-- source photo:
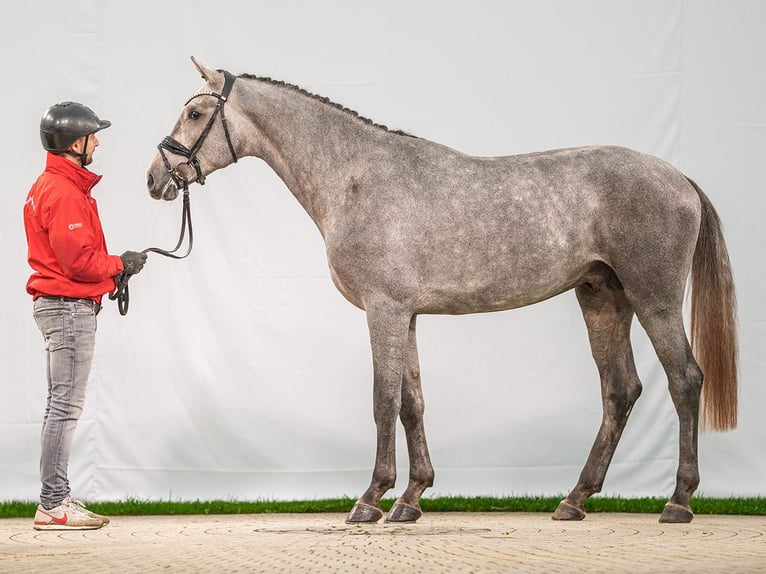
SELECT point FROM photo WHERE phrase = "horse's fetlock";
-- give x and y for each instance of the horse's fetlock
(688, 477)
(384, 480)
(423, 478)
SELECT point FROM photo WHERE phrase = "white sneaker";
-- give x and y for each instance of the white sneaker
(71, 514)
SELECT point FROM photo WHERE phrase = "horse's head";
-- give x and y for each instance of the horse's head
(200, 142)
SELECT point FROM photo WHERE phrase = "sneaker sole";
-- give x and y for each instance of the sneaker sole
(65, 527)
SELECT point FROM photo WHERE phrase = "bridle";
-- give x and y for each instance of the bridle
(174, 146)
(121, 293)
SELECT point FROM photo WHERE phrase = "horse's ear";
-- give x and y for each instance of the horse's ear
(208, 74)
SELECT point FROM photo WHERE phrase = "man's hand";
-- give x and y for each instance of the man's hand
(133, 262)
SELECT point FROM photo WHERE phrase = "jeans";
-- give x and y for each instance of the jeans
(69, 329)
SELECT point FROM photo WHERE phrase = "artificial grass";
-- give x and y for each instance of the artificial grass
(135, 507)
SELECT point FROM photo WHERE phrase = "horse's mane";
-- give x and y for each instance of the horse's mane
(326, 101)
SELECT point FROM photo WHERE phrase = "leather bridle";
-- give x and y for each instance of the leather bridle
(174, 146)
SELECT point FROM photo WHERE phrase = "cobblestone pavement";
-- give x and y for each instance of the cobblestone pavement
(439, 542)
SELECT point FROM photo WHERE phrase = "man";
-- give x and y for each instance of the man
(72, 271)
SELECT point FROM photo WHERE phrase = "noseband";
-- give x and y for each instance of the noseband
(176, 147)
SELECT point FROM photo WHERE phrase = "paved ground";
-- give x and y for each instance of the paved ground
(439, 542)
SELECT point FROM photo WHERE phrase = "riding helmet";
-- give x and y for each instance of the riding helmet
(64, 122)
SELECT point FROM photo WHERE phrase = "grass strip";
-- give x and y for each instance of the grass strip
(136, 507)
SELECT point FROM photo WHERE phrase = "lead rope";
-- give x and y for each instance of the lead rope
(121, 293)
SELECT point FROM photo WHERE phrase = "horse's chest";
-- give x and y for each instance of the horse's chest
(346, 287)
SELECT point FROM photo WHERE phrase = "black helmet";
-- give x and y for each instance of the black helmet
(63, 123)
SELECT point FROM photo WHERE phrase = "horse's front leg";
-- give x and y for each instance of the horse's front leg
(388, 324)
(407, 507)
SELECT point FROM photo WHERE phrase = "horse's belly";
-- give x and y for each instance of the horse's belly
(445, 302)
(481, 293)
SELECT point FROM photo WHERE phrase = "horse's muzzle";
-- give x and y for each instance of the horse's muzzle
(168, 192)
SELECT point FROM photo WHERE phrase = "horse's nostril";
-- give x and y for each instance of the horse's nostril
(170, 193)
(150, 181)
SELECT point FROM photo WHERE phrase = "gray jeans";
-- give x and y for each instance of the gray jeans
(69, 329)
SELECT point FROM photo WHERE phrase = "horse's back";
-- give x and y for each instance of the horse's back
(548, 188)
(563, 209)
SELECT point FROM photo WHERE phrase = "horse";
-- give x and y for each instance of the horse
(413, 227)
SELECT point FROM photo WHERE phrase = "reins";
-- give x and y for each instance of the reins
(122, 294)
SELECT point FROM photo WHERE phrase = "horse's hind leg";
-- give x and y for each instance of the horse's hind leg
(608, 316)
(407, 507)
(666, 331)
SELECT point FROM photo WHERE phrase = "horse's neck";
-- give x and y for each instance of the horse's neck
(313, 147)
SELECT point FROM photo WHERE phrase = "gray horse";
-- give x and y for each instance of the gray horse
(413, 227)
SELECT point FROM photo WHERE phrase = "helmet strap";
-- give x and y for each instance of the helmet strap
(84, 154)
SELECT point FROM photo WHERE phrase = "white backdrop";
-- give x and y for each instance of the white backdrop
(241, 372)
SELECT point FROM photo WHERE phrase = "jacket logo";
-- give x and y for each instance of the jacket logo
(73, 226)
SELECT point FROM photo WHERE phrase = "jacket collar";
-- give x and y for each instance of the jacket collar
(82, 178)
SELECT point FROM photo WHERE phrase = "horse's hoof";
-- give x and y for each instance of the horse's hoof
(364, 513)
(402, 512)
(566, 511)
(676, 514)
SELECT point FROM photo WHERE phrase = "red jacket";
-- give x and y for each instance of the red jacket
(67, 249)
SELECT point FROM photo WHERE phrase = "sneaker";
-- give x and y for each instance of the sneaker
(104, 519)
(71, 514)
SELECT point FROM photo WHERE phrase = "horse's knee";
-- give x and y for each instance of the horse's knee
(411, 412)
(387, 404)
(412, 405)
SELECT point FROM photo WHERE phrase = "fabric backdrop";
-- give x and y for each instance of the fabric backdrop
(241, 372)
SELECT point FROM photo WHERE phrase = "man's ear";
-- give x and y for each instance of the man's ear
(77, 145)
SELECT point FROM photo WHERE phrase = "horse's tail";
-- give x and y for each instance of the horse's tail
(714, 322)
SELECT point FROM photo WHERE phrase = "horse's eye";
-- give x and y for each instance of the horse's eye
(194, 115)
